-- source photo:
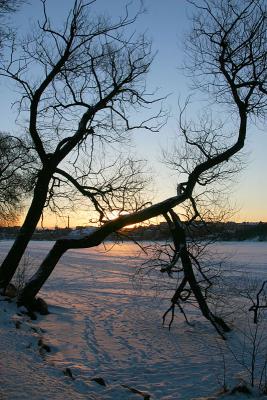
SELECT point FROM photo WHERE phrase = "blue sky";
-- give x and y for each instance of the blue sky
(165, 22)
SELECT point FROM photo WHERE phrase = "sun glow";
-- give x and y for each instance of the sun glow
(116, 214)
(153, 221)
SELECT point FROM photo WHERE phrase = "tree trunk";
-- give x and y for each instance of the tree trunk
(32, 287)
(12, 260)
(179, 239)
(216, 321)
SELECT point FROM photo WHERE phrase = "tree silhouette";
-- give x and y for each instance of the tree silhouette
(88, 78)
(226, 59)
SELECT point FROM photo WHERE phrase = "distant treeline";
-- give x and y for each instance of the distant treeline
(228, 231)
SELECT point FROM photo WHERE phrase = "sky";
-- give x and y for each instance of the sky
(165, 23)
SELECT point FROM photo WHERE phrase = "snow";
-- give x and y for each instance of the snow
(105, 324)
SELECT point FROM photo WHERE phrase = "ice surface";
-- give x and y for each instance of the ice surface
(104, 323)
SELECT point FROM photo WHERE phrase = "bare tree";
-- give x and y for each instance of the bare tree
(16, 174)
(7, 7)
(88, 79)
(13, 152)
(227, 50)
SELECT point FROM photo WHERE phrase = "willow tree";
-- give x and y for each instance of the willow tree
(79, 85)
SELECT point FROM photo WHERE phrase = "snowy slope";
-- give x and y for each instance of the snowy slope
(103, 324)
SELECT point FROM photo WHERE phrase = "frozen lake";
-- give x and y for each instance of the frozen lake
(104, 323)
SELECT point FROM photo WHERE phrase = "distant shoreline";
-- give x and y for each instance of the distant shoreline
(255, 240)
(203, 231)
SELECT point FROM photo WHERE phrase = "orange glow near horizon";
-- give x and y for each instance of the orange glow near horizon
(84, 218)
(115, 214)
(51, 221)
(247, 192)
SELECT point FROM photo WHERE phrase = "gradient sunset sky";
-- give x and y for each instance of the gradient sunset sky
(165, 22)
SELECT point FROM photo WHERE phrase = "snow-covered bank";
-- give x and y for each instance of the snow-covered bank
(105, 325)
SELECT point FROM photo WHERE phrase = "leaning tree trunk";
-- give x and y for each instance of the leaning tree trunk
(33, 286)
(12, 260)
(179, 239)
(95, 238)
(218, 323)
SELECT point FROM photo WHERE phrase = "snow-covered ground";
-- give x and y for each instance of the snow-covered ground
(105, 324)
